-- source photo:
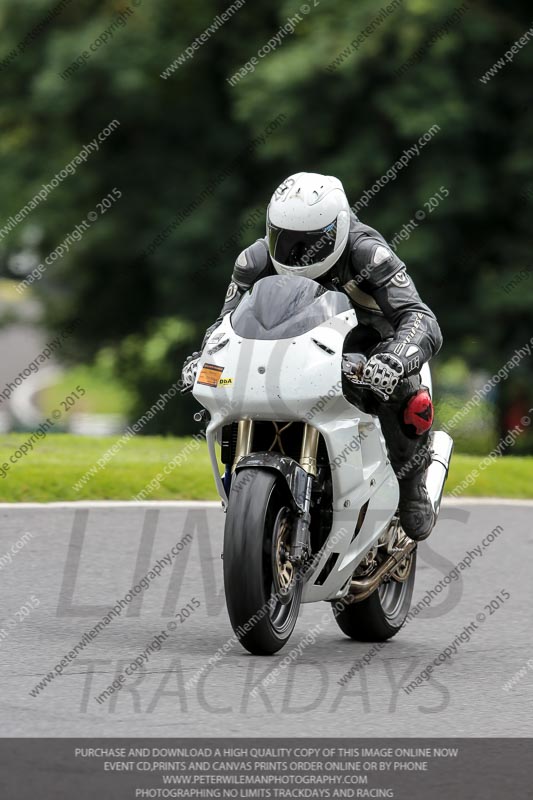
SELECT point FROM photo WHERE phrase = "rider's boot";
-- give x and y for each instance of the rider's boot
(417, 516)
(406, 425)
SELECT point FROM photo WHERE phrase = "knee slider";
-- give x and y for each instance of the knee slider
(418, 412)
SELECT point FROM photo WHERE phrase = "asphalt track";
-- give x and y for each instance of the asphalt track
(81, 558)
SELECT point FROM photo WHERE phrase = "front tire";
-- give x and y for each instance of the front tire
(255, 567)
(382, 614)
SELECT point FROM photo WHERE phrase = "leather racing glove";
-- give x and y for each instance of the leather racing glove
(189, 372)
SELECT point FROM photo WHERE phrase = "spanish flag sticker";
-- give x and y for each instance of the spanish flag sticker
(210, 375)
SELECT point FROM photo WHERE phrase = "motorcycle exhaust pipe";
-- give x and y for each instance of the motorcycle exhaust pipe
(361, 588)
(442, 448)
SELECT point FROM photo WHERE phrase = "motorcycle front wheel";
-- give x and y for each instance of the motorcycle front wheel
(263, 592)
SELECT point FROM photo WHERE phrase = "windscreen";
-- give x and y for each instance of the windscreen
(283, 307)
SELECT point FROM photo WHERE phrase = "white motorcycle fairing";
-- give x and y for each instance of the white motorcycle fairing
(299, 379)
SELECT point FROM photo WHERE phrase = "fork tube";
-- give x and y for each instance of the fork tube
(308, 456)
(244, 440)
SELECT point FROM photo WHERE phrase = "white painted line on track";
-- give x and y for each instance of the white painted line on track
(118, 504)
(452, 501)
(486, 501)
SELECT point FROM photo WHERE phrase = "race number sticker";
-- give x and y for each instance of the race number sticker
(284, 187)
(210, 375)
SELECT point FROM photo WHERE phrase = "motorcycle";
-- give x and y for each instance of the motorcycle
(311, 499)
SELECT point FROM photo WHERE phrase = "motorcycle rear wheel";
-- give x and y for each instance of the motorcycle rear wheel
(382, 614)
(263, 594)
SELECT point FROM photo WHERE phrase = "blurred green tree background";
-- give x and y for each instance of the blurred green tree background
(148, 277)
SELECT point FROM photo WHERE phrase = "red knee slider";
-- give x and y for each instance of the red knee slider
(418, 412)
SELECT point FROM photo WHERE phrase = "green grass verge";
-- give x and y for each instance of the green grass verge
(58, 461)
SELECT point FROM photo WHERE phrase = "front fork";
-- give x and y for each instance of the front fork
(245, 436)
(301, 545)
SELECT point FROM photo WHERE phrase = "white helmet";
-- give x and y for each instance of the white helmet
(308, 222)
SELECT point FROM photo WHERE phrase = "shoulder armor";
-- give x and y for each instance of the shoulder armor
(251, 263)
(374, 262)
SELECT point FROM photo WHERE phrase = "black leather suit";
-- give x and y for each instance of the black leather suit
(390, 314)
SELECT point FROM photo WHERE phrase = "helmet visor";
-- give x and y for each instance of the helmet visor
(301, 248)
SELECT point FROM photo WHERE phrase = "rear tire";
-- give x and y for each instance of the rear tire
(381, 615)
(258, 512)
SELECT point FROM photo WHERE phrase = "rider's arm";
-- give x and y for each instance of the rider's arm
(249, 267)
(414, 322)
(417, 334)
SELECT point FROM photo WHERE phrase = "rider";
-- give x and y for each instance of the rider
(312, 232)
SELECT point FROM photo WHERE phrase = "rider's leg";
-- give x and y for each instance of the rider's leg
(406, 422)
